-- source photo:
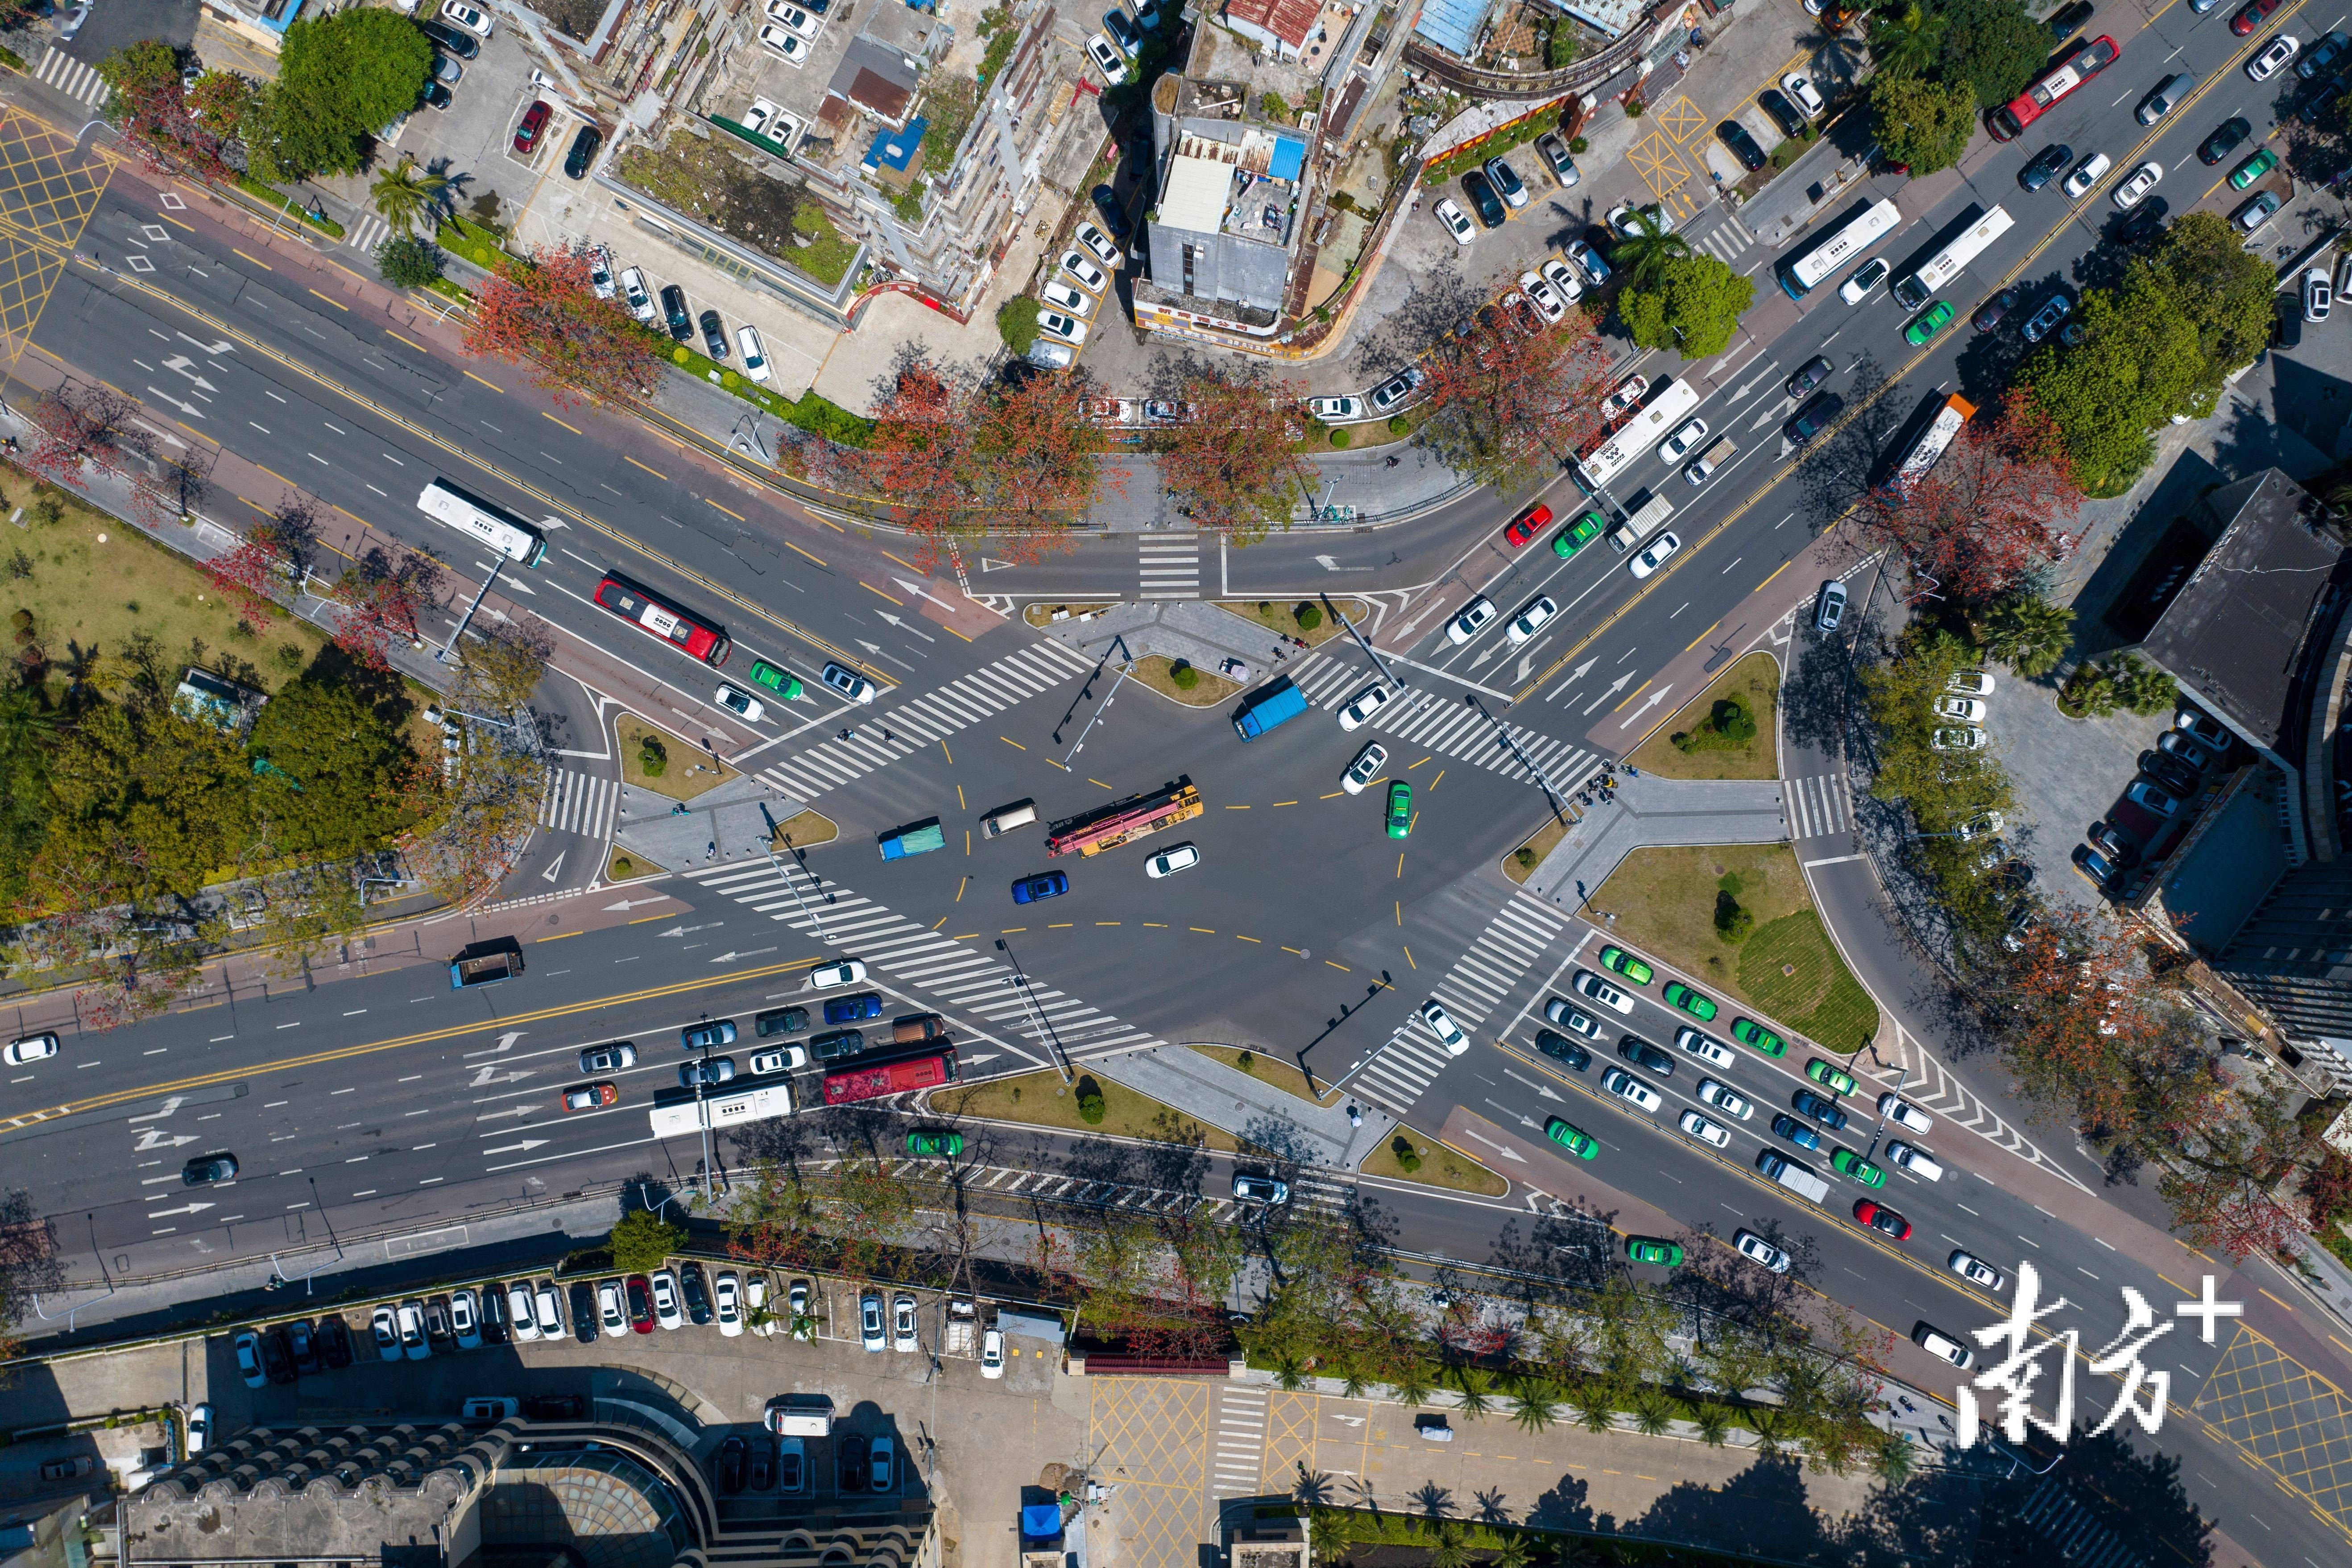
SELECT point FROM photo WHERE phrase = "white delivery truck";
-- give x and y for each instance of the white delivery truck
(1794, 1176)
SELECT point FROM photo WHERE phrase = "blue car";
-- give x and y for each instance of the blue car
(850, 1009)
(719, 1032)
(1819, 1109)
(1797, 1132)
(1051, 885)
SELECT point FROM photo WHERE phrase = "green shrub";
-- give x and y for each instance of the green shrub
(1017, 323)
(1183, 675)
(680, 354)
(642, 1242)
(1577, 144)
(1732, 922)
(1408, 1158)
(653, 758)
(1341, 439)
(1308, 616)
(1526, 856)
(1727, 728)
(624, 867)
(1399, 425)
(1633, 106)
(408, 262)
(1090, 1102)
(821, 415)
(1246, 1061)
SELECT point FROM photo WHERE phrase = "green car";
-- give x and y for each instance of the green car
(1572, 1138)
(1933, 320)
(1649, 1249)
(781, 682)
(1678, 994)
(1578, 534)
(1846, 1163)
(1830, 1076)
(1626, 965)
(1400, 809)
(947, 1145)
(2252, 169)
(1751, 1032)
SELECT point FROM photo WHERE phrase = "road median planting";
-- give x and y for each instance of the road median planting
(1267, 1069)
(1412, 1156)
(654, 758)
(1181, 681)
(1728, 731)
(1043, 1099)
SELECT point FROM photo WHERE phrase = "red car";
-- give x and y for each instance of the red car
(1526, 525)
(2247, 20)
(641, 1303)
(1879, 1217)
(534, 121)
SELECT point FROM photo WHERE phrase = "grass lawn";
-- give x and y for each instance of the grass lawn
(1279, 616)
(1269, 1069)
(1440, 1166)
(1754, 683)
(806, 828)
(1156, 671)
(1043, 1099)
(1665, 901)
(691, 769)
(624, 867)
(1521, 863)
(92, 583)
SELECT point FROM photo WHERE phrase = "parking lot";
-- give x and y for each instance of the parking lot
(472, 141)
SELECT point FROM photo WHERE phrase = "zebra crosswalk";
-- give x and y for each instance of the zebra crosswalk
(1817, 806)
(1725, 242)
(1170, 565)
(1473, 990)
(1240, 1441)
(960, 979)
(921, 721)
(580, 802)
(367, 232)
(70, 76)
(1425, 718)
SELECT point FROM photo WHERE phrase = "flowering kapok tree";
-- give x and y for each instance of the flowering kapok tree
(1994, 509)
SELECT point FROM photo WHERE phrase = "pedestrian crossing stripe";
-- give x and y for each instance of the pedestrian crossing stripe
(580, 802)
(1169, 566)
(1454, 729)
(367, 232)
(1817, 806)
(70, 76)
(926, 719)
(1472, 991)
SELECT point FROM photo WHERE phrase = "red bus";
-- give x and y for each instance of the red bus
(872, 1081)
(657, 618)
(2012, 119)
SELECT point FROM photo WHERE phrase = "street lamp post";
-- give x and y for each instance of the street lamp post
(1036, 1016)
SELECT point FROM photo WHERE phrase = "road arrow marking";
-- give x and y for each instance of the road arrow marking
(988, 565)
(922, 593)
(186, 1208)
(1483, 658)
(186, 407)
(506, 1043)
(903, 626)
(1507, 1153)
(1652, 700)
(1579, 673)
(554, 523)
(689, 930)
(556, 869)
(730, 956)
(1331, 563)
(525, 1147)
(1527, 664)
(155, 1138)
(186, 367)
(873, 647)
(1620, 684)
(636, 904)
(1544, 1089)
(982, 1056)
(168, 1107)
(222, 347)
(511, 1111)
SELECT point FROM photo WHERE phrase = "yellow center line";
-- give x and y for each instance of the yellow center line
(938, 922)
(1010, 930)
(790, 545)
(1341, 967)
(1636, 692)
(1238, 937)
(908, 565)
(1698, 639)
(1776, 572)
(1012, 743)
(1286, 803)
(1399, 871)
(741, 517)
(175, 223)
(2274, 1299)
(1335, 795)
(654, 472)
(1411, 767)
(493, 385)
(1105, 922)
(1061, 925)
(1098, 781)
(961, 887)
(1204, 931)
(255, 260)
(1300, 950)
(1432, 789)
(643, 919)
(337, 304)
(967, 936)
(558, 936)
(412, 343)
(575, 430)
(1399, 905)
(1237, 809)
(948, 754)
(861, 581)
(1407, 958)
(1161, 924)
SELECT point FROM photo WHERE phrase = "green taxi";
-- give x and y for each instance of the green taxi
(1572, 1138)
(1622, 962)
(1933, 320)
(944, 1144)
(1846, 1163)
(1756, 1037)
(1830, 1076)
(1678, 994)
(2252, 169)
(1400, 809)
(783, 683)
(1578, 534)
(1649, 1249)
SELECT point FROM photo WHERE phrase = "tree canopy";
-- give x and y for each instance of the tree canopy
(2225, 290)
(1233, 459)
(1992, 46)
(341, 78)
(545, 313)
(1924, 123)
(338, 782)
(2138, 365)
(1692, 308)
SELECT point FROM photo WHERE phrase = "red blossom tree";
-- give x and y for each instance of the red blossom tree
(1509, 398)
(2327, 1188)
(1234, 460)
(174, 131)
(381, 594)
(1993, 508)
(271, 556)
(81, 422)
(545, 313)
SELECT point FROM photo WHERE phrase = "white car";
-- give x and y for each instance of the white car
(1967, 709)
(466, 1319)
(1968, 738)
(2264, 65)
(849, 683)
(1970, 683)
(741, 703)
(199, 1424)
(1758, 1251)
(1547, 304)
(1705, 1132)
(1706, 1047)
(1336, 410)
(755, 353)
(1682, 441)
(785, 42)
(2318, 296)
(1797, 87)
(1976, 1270)
(412, 1343)
(1097, 241)
(1631, 1089)
(1621, 218)
(1088, 275)
(792, 16)
(1457, 222)
(1863, 279)
(27, 1048)
(386, 1329)
(756, 1310)
(611, 1311)
(826, 976)
(666, 1311)
(1654, 556)
(902, 1323)
(1600, 991)
(1062, 297)
(1951, 1350)
(783, 1058)
(2086, 174)
(1106, 59)
(1982, 824)
(247, 1347)
(796, 1308)
(466, 16)
(1365, 768)
(1556, 273)
(991, 1353)
(1364, 706)
(870, 1332)
(1626, 397)
(640, 302)
(519, 1318)
(726, 1301)
(1557, 1011)
(1441, 1024)
(600, 271)
(1532, 617)
(1726, 1099)
(1069, 329)
(2141, 180)
(1168, 861)
(2159, 801)
(549, 1308)
(1471, 621)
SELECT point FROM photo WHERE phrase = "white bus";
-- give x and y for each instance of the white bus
(481, 520)
(1644, 430)
(1956, 412)
(677, 1113)
(1947, 264)
(1809, 271)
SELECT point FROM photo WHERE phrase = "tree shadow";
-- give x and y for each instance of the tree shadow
(1442, 303)
(1431, 1500)
(1568, 1506)
(1491, 1507)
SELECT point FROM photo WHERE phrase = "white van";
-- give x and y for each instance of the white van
(1917, 1161)
(801, 1415)
(1021, 814)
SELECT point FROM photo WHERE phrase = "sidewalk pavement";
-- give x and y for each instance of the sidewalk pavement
(1249, 1107)
(1189, 629)
(719, 827)
(1649, 810)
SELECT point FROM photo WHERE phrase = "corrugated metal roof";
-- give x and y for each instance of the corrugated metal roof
(1453, 24)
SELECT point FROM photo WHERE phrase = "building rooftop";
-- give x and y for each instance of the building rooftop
(1453, 25)
(1289, 20)
(873, 64)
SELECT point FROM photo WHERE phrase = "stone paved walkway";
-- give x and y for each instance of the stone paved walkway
(1650, 811)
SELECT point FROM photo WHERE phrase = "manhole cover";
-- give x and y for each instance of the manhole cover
(1787, 969)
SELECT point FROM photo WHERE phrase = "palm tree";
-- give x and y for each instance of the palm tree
(1414, 1383)
(1646, 252)
(1894, 1458)
(404, 194)
(24, 722)
(1907, 39)
(1517, 1551)
(1714, 1424)
(1449, 1550)
(1653, 1412)
(1289, 1375)
(1596, 1407)
(2028, 632)
(1532, 1399)
(1476, 1401)
(1326, 1536)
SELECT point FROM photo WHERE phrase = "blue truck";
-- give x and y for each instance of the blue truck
(486, 963)
(919, 839)
(1271, 704)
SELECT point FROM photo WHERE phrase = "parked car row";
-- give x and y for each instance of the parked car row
(1963, 701)
(1496, 189)
(2192, 752)
(675, 313)
(1069, 293)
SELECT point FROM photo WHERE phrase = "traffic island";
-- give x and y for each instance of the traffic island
(1520, 863)
(624, 867)
(1730, 731)
(655, 760)
(1271, 1070)
(1303, 618)
(1412, 1156)
(805, 830)
(1182, 681)
(1090, 1105)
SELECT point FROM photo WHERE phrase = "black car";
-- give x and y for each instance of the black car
(556, 1406)
(732, 1454)
(1813, 419)
(1809, 374)
(1642, 1054)
(457, 40)
(1743, 146)
(764, 1465)
(714, 336)
(302, 1344)
(436, 96)
(2318, 96)
(206, 1168)
(494, 1313)
(584, 1313)
(698, 1298)
(333, 1339)
(836, 1043)
(1114, 216)
(2045, 166)
(780, 1021)
(2144, 224)
(1784, 113)
(2062, 24)
(2232, 131)
(584, 151)
(853, 1476)
(681, 323)
(1483, 197)
(1808, 1103)
(276, 1356)
(1559, 1047)
(2117, 846)
(1989, 313)
(2172, 772)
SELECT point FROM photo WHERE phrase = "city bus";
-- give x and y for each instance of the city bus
(1809, 271)
(677, 1114)
(2011, 118)
(872, 1080)
(1947, 264)
(483, 521)
(1956, 412)
(657, 618)
(1652, 425)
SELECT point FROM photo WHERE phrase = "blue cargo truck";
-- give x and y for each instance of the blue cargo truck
(920, 839)
(486, 963)
(1269, 705)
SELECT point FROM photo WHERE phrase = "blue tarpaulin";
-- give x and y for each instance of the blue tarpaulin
(1041, 1521)
(1453, 25)
(896, 147)
(1289, 157)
